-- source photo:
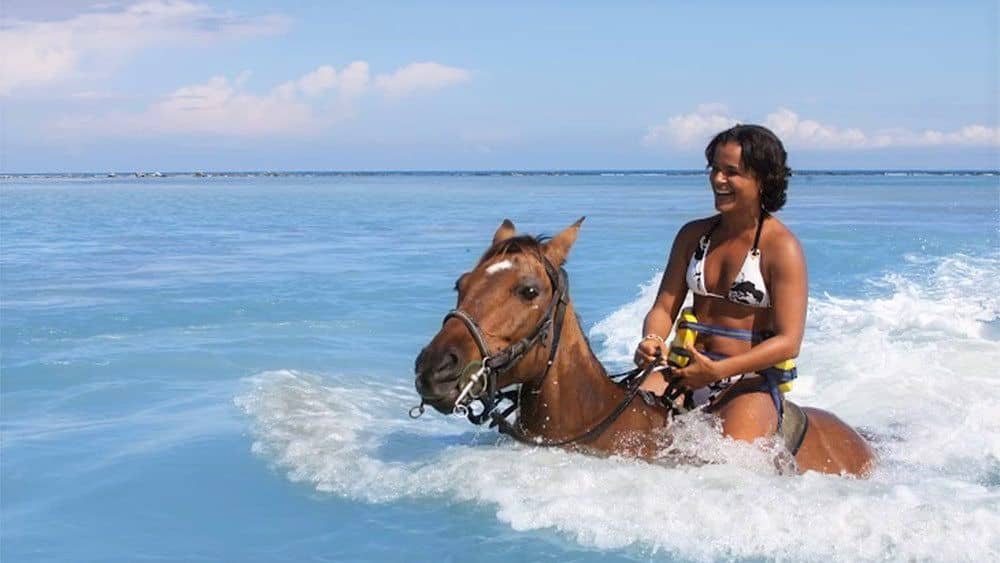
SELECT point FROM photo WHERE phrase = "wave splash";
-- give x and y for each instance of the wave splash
(916, 371)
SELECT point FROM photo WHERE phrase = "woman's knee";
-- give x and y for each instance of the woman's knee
(749, 416)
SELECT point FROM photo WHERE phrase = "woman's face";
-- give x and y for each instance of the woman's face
(735, 188)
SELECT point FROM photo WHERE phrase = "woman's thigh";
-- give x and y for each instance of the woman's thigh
(748, 416)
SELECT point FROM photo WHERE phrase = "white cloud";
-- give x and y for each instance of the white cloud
(696, 129)
(42, 52)
(304, 106)
(794, 131)
(420, 77)
(351, 82)
(354, 80)
(223, 107)
(318, 81)
(92, 95)
(970, 135)
(692, 128)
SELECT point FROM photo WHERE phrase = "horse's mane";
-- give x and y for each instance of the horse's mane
(524, 244)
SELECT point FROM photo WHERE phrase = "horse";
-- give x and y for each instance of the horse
(515, 326)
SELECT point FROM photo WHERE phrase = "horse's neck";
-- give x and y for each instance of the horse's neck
(575, 394)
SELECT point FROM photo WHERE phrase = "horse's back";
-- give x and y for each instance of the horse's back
(832, 446)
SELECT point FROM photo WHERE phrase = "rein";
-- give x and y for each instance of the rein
(635, 378)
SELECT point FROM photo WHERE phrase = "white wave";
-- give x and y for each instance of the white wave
(914, 366)
(919, 363)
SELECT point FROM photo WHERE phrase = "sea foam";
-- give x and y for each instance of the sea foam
(913, 364)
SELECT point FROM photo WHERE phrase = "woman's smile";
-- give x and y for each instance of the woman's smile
(724, 197)
(732, 185)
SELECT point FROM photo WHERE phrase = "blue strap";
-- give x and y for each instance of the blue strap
(773, 377)
(715, 356)
(772, 388)
(735, 333)
(780, 375)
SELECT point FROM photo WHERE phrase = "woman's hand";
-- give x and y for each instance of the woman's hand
(700, 371)
(649, 350)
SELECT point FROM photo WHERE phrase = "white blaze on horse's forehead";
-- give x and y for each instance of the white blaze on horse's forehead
(499, 267)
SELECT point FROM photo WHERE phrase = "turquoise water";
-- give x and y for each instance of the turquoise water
(219, 369)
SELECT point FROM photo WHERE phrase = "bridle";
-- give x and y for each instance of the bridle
(478, 381)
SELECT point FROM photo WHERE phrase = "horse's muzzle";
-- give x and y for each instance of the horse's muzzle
(437, 377)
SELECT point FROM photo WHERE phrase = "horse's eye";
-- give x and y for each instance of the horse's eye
(528, 292)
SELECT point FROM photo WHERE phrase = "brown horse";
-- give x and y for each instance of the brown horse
(515, 325)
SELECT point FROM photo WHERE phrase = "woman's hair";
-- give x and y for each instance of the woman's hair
(764, 155)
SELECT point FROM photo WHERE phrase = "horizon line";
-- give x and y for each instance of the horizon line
(484, 171)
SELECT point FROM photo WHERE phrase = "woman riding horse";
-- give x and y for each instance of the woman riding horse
(514, 325)
(748, 275)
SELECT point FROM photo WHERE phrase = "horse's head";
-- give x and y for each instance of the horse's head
(505, 306)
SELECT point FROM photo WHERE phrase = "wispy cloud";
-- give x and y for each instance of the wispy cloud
(695, 129)
(420, 77)
(301, 107)
(42, 52)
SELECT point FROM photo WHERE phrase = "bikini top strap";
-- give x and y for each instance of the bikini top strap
(756, 237)
(708, 233)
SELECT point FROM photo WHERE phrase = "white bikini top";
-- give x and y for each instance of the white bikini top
(748, 288)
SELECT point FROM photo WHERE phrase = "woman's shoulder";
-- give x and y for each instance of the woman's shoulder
(690, 233)
(779, 240)
(697, 227)
(775, 229)
(688, 236)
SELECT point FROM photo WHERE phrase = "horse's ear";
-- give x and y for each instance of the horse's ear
(504, 231)
(557, 249)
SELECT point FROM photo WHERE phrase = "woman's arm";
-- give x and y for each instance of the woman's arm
(669, 298)
(789, 289)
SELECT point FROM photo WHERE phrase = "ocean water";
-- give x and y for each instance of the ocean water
(219, 369)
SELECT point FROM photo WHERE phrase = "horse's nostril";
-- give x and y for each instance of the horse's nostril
(421, 385)
(449, 360)
(436, 368)
(420, 361)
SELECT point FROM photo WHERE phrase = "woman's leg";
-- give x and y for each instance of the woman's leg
(748, 416)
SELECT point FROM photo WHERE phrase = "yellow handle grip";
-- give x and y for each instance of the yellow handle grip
(683, 337)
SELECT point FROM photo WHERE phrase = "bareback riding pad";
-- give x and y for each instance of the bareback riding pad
(794, 425)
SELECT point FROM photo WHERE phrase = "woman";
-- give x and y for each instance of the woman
(747, 272)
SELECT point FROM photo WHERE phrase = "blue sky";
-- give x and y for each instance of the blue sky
(199, 85)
